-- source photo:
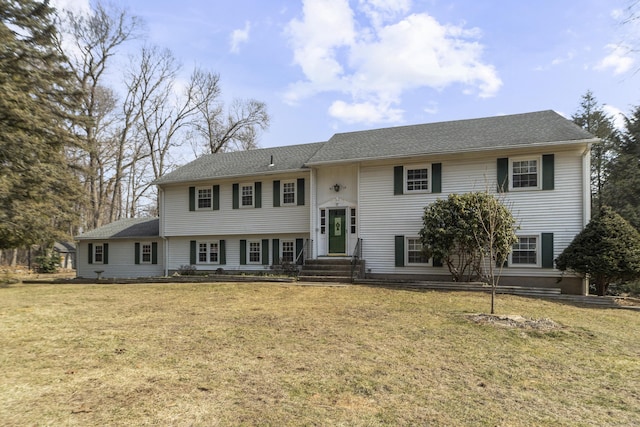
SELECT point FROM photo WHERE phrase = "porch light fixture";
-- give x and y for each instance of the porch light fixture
(336, 188)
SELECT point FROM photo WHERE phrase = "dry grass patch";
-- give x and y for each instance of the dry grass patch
(267, 354)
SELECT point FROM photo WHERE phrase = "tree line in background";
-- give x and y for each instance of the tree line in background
(78, 150)
(615, 161)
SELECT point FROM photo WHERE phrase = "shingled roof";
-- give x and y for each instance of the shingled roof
(124, 229)
(528, 129)
(459, 136)
(290, 158)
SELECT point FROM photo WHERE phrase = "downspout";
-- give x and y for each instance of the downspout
(165, 242)
(586, 201)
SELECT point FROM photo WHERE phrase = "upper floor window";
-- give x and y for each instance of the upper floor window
(246, 195)
(204, 196)
(417, 179)
(525, 173)
(289, 193)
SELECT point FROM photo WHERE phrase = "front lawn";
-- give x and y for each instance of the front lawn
(272, 354)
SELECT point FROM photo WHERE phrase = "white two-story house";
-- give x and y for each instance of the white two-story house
(360, 191)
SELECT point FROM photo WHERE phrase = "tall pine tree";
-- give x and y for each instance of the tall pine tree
(622, 189)
(38, 192)
(593, 119)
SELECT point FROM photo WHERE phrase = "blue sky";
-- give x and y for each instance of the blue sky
(327, 66)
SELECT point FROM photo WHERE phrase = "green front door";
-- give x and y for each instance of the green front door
(337, 231)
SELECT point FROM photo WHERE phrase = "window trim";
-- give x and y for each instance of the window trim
(406, 253)
(95, 250)
(259, 261)
(253, 195)
(142, 245)
(293, 250)
(405, 178)
(538, 160)
(197, 198)
(295, 192)
(208, 243)
(538, 263)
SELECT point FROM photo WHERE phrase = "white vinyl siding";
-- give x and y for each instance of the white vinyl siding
(121, 261)
(229, 221)
(383, 216)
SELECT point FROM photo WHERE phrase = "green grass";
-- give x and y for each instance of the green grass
(272, 354)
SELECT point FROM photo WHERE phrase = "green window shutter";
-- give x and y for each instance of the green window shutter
(436, 178)
(192, 198)
(398, 180)
(90, 260)
(503, 174)
(275, 243)
(547, 250)
(399, 251)
(154, 252)
(222, 256)
(548, 172)
(300, 189)
(216, 197)
(257, 189)
(243, 252)
(136, 255)
(236, 196)
(105, 257)
(276, 194)
(192, 252)
(265, 251)
(299, 249)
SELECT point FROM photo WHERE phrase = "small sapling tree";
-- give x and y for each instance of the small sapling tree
(607, 250)
(472, 234)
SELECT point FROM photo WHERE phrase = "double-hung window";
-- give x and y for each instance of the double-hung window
(288, 251)
(289, 193)
(255, 252)
(416, 179)
(415, 255)
(526, 251)
(246, 195)
(98, 254)
(208, 252)
(204, 197)
(145, 253)
(525, 173)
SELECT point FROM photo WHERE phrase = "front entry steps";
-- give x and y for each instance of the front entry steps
(329, 269)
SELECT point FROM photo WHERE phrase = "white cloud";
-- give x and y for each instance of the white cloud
(618, 59)
(373, 62)
(239, 37)
(365, 112)
(616, 115)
